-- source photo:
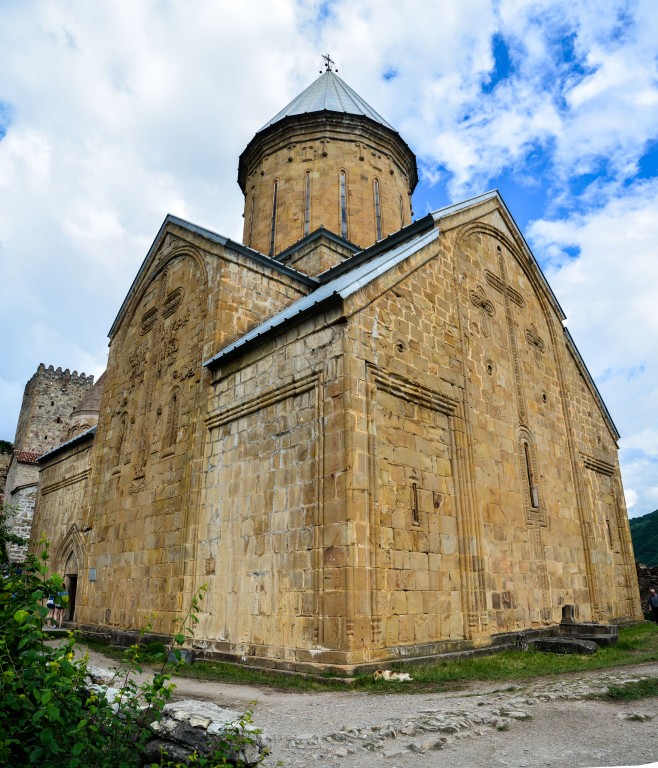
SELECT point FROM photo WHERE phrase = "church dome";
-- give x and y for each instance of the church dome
(329, 93)
(86, 412)
(329, 160)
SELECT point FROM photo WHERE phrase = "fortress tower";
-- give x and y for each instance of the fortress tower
(49, 398)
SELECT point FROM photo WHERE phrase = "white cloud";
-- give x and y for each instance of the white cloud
(630, 497)
(609, 295)
(124, 112)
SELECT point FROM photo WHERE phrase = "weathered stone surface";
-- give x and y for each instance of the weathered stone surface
(199, 726)
(564, 645)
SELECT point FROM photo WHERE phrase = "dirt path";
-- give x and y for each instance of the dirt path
(547, 722)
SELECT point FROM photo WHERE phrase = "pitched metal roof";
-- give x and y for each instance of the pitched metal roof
(212, 237)
(329, 93)
(88, 433)
(334, 291)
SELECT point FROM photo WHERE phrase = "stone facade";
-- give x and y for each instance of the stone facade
(373, 454)
(46, 419)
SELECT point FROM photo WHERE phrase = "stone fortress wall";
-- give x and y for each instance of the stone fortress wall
(49, 399)
(5, 461)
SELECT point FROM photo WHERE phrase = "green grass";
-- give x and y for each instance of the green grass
(636, 644)
(638, 689)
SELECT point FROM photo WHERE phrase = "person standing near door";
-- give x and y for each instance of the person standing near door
(61, 601)
(653, 604)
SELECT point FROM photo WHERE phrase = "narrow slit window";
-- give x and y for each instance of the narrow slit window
(251, 220)
(378, 210)
(307, 203)
(401, 212)
(273, 227)
(415, 514)
(343, 205)
(532, 487)
(171, 433)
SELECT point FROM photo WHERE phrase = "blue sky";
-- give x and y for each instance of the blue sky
(113, 115)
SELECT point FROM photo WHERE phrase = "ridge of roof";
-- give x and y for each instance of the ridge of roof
(332, 292)
(261, 258)
(328, 92)
(78, 438)
(318, 233)
(449, 210)
(406, 233)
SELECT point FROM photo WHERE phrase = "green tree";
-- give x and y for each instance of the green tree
(49, 713)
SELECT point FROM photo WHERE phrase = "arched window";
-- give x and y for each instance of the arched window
(533, 491)
(273, 226)
(173, 412)
(307, 203)
(530, 478)
(378, 210)
(343, 205)
(251, 218)
(120, 439)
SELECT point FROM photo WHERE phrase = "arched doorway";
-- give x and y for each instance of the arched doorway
(71, 582)
(69, 561)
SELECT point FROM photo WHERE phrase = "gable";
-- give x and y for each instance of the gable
(176, 234)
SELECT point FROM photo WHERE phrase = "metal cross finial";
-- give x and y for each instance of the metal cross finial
(328, 61)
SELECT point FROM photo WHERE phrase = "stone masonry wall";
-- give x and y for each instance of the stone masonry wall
(146, 464)
(50, 397)
(447, 504)
(457, 355)
(273, 540)
(320, 156)
(63, 488)
(21, 491)
(5, 461)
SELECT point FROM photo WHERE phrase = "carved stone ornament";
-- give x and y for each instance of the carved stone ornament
(487, 310)
(172, 302)
(535, 340)
(137, 364)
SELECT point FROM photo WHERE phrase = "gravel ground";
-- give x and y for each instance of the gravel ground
(548, 722)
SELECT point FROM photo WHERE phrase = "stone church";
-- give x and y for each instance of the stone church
(370, 437)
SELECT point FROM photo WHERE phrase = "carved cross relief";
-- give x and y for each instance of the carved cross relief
(535, 340)
(479, 300)
(154, 356)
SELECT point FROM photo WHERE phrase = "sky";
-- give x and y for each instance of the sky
(114, 114)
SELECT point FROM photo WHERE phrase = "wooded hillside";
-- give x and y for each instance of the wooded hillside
(644, 532)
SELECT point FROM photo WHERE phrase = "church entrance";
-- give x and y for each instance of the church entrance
(71, 588)
(71, 584)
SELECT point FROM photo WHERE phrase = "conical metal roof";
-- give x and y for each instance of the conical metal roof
(330, 93)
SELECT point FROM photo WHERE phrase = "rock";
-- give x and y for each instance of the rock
(564, 645)
(200, 722)
(393, 752)
(189, 726)
(639, 717)
(519, 715)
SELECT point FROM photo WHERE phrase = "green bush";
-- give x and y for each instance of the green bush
(49, 714)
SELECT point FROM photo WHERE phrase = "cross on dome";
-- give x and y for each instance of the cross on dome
(328, 62)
